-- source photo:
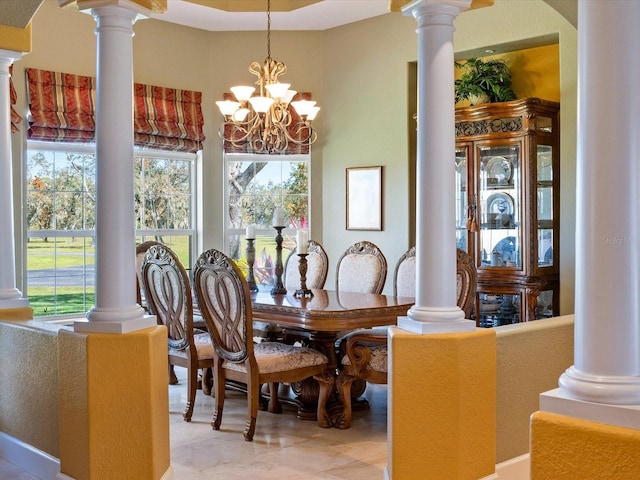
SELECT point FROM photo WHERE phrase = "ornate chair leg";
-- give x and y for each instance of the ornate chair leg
(325, 382)
(218, 384)
(274, 401)
(344, 388)
(173, 379)
(192, 385)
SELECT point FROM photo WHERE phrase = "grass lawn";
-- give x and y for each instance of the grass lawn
(64, 252)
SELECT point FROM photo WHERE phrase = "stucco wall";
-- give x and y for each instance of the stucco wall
(29, 384)
(531, 357)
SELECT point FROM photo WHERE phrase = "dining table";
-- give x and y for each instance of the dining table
(325, 316)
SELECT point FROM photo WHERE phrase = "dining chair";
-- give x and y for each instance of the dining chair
(365, 353)
(362, 268)
(168, 292)
(141, 249)
(225, 303)
(404, 276)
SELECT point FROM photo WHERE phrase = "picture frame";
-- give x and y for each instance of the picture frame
(364, 198)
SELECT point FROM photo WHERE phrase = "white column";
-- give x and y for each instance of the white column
(607, 304)
(115, 310)
(435, 310)
(10, 296)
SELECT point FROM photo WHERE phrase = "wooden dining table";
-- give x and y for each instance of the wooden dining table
(325, 316)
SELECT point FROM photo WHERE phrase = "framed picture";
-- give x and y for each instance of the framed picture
(364, 198)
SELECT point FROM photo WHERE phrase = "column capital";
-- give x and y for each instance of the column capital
(8, 57)
(144, 7)
(418, 8)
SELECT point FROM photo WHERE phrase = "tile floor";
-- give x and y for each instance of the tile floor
(283, 447)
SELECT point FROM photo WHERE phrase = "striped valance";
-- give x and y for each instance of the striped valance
(15, 118)
(62, 109)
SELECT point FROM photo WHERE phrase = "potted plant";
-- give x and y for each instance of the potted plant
(484, 81)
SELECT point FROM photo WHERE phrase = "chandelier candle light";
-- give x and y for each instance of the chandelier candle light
(264, 122)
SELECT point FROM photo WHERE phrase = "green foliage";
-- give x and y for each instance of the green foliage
(484, 77)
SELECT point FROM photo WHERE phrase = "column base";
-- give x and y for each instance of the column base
(424, 320)
(558, 402)
(15, 310)
(613, 389)
(113, 320)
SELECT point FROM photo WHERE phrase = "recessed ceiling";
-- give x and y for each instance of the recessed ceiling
(243, 15)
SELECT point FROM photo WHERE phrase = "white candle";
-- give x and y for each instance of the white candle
(302, 238)
(278, 217)
(251, 231)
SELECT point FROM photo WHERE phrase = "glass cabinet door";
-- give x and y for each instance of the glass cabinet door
(463, 215)
(545, 205)
(499, 194)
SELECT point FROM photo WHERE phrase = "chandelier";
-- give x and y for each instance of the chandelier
(265, 123)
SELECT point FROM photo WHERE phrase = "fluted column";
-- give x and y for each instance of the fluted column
(10, 296)
(115, 309)
(435, 310)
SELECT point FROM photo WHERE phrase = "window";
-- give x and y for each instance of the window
(60, 217)
(255, 185)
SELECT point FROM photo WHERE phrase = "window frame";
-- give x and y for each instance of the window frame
(228, 232)
(90, 149)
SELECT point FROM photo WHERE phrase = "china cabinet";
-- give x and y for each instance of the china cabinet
(507, 206)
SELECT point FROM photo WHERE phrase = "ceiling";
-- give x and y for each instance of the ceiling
(251, 14)
(242, 15)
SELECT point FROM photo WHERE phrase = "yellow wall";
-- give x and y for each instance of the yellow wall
(531, 357)
(565, 448)
(535, 72)
(29, 384)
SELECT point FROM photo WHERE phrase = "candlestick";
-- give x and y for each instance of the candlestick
(251, 232)
(278, 217)
(303, 291)
(279, 287)
(251, 258)
(302, 238)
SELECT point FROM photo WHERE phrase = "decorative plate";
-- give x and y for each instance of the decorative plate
(507, 249)
(500, 203)
(498, 170)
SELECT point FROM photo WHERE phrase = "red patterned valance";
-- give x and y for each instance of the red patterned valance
(15, 118)
(62, 109)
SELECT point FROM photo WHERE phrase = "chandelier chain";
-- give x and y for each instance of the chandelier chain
(269, 29)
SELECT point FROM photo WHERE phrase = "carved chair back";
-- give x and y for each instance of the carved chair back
(362, 268)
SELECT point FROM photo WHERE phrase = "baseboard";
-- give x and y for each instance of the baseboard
(30, 459)
(516, 468)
